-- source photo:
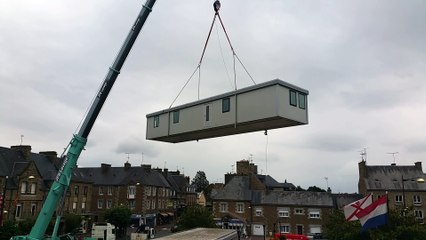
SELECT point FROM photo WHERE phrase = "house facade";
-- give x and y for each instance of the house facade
(404, 185)
(260, 205)
(151, 194)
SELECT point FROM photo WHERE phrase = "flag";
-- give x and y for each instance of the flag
(352, 209)
(375, 214)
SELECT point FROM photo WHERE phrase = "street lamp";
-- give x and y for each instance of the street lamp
(403, 180)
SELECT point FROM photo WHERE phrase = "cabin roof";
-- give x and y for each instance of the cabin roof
(232, 93)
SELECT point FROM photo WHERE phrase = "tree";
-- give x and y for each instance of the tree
(400, 226)
(72, 222)
(315, 189)
(119, 217)
(195, 216)
(200, 181)
(8, 230)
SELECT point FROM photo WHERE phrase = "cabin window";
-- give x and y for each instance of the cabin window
(293, 98)
(302, 101)
(175, 116)
(207, 113)
(156, 121)
(226, 105)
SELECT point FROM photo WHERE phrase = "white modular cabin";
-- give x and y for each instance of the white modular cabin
(268, 105)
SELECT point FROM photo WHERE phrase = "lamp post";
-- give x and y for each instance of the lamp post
(3, 199)
(403, 180)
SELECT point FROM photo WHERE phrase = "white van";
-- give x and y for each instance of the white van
(103, 231)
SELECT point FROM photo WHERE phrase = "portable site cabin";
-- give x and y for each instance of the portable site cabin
(268, 105)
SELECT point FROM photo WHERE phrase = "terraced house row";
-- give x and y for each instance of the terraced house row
(151, 193)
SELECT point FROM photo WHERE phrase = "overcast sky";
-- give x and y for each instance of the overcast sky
(363, 62)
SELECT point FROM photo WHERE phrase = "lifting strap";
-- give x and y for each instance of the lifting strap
(216, 7)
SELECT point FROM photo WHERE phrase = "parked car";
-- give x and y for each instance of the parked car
(290, 236)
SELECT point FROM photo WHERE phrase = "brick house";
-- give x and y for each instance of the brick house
(398, 181)
(259, 205)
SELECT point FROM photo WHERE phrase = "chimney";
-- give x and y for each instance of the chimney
(165, 172)
(418, 166)
(52, 156)
(105, 167)
(127, 165)
(24, 149)
(146, 167)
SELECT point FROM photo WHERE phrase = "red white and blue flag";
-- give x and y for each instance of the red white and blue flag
(352, 209)
(375, 214)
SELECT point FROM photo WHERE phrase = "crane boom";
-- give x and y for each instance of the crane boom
(77, 143)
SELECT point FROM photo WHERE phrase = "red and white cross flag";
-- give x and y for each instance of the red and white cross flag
(354, 208)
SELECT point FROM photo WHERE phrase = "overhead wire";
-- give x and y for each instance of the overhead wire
(216, 6)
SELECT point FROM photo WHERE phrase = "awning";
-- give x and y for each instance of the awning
(164, 214)
(170, 214)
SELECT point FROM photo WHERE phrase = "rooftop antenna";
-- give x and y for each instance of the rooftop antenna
(326, 182)
(251, 158)
(22, 139)
(393, 155)
(232, 168)
(364, 154)
(128, 157)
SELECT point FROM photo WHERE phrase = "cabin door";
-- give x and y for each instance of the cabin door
(207, 115)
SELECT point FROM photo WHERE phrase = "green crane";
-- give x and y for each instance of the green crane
(77, 143)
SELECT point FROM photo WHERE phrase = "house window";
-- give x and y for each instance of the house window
(33, 188)
(302, 101)
(283, 213)
(156, 121)
(398, 199)
(417, 200)
(76, 190)
(223, 207)
(131, 191)
(132, 204)
(101, 191)
(100, 203)
(226, 105)
(314, 214)
(207, 113)
(85, 190)
(176, 116)
(258, 212)
(148, 204)
(33, 209)
(153, 204)
(293, 98)
(299, 211)
(418, 214)
(284, 228)
(74, 205)
(240, 207)
(154, 191)
(23, 187)
(109, 190)
(148, 191)
(83, 205)
(18, 211)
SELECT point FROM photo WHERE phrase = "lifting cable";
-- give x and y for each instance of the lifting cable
(216, 6)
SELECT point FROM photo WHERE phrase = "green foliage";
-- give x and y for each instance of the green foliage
(119, 217)
(8, 230)
(400, 227)
(195, 216)
(200, 181)
(24, 227)
(72, 222)
(315, 189)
